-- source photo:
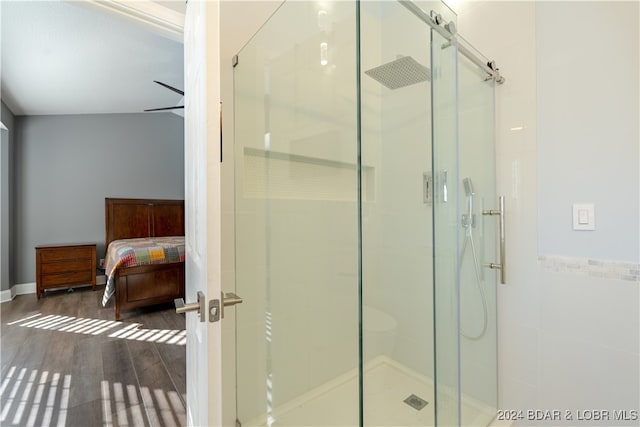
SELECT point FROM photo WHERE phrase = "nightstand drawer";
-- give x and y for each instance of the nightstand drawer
(67, 278)
(55, 254)
(66, 266)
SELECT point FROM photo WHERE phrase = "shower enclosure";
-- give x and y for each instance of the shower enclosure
(365, 240)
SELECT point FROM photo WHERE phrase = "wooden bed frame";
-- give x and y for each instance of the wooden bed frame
(148, 284)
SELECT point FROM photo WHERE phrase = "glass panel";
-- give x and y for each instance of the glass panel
(446, 230)
(397, 239)
(477, 239)
(296, 219)
(397, 291)
(464, 239)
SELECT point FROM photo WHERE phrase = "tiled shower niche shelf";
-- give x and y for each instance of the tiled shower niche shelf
(277, 175)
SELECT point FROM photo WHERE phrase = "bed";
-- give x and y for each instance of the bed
(149, 284)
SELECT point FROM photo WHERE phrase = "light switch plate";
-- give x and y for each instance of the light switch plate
(584, 216)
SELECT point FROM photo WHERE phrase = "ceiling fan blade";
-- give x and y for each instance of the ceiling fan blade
(165, 108)
(170, 87)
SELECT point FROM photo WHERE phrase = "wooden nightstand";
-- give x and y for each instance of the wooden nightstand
(65, 265)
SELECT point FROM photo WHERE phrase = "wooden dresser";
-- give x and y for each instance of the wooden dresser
(65, 265)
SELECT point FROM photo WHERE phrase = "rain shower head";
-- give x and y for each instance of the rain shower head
(404, 71)
(468, 187)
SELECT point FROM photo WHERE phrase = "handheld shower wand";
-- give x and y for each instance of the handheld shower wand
(468, 219)
(468, 187)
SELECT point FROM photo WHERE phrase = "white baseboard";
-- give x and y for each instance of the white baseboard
(21, 289)
(7, 295)
(30, 288)
(24, 289)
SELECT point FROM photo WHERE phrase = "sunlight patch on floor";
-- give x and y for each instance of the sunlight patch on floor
(34, 398)
(89, 326)
(123, 405)
(41, 398)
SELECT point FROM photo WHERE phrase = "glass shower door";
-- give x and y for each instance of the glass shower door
(397, 285)
(477, 243)
(464, 237)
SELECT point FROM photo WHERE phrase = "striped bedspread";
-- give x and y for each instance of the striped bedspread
(142, 251)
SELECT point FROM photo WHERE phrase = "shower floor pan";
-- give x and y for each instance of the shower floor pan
(387, 385)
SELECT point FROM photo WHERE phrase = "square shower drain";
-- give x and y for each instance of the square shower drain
(415, 402)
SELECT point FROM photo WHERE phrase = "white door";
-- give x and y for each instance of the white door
(202, 209)
(203, 71)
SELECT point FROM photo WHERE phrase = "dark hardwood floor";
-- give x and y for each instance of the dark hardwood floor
(65, 361)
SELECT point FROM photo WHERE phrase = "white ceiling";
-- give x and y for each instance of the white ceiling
(65, 57)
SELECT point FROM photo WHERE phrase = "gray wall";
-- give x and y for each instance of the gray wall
(6, 193)
(588, 129)
(66, 166)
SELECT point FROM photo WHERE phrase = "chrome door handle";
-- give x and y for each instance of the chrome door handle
(216, 310)
(231, 299)
(198, 307)
(501, 265)
(228, 300)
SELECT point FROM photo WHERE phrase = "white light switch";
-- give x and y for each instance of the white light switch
(584, 216)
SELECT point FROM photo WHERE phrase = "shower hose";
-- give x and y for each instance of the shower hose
(468, 241)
